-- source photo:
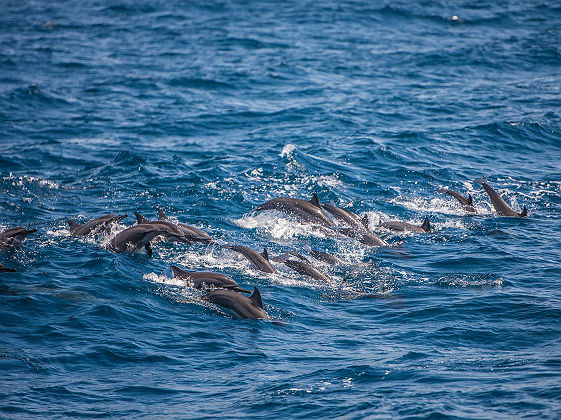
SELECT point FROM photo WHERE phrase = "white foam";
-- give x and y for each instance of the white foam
(287, 150)
(326, 181)
(100, 239)
(162, 279)
(442, 205)
(90, 141)
(212, 258)
(62, 231)
(469, 280)
(453, 224)
(375, 218)
(179, 292)
(279, 226)
(20, 181)
(434, 205)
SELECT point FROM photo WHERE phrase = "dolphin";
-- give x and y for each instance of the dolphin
(325, 257)
(190, 232)
(99, 223)
(358, 228)
(283, 258)
(303, 267)
(14, 236)
(350, 219)
(501, 207)
(306, 269)
(467, 203)
(205, 279)
(366, 237)
(307, 211)
(4, 269)
(402, 226)
(139, 236)
(171, 228)
(239, 305)
(257, 260)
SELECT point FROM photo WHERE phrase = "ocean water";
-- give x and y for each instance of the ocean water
(208, 109)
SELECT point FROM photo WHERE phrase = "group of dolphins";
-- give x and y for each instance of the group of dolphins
(221, 289)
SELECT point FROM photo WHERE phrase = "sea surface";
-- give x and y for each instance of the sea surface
(207, 109)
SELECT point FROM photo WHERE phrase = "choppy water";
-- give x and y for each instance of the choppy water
(210, 109)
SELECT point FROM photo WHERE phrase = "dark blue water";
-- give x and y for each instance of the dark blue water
(207, 109)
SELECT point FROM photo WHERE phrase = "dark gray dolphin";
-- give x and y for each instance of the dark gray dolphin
(306, 269)
(284, 257)
(138, 236)
(207, 279)
(467, 203)
(350, 219)
(307, 211)
(501, 207)
(325, 257)
(303, 267)
(257, 260)
(190, 232)
(4, 269)
(239, 305)
(403, 226)
(174, 232)
(366, 236)
(15, 236)
(357, 227)
(94, 225)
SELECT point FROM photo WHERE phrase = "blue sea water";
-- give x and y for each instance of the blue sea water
(207, 109)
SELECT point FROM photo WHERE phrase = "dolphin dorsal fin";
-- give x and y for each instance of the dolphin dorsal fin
(426, 225)
(73, 225)
(524, 212)
(265, 254)
(364, 221)
(470, 200)
(315, 200)
(256, 298)
(140, 219)
(177, 272)
(162, 215)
